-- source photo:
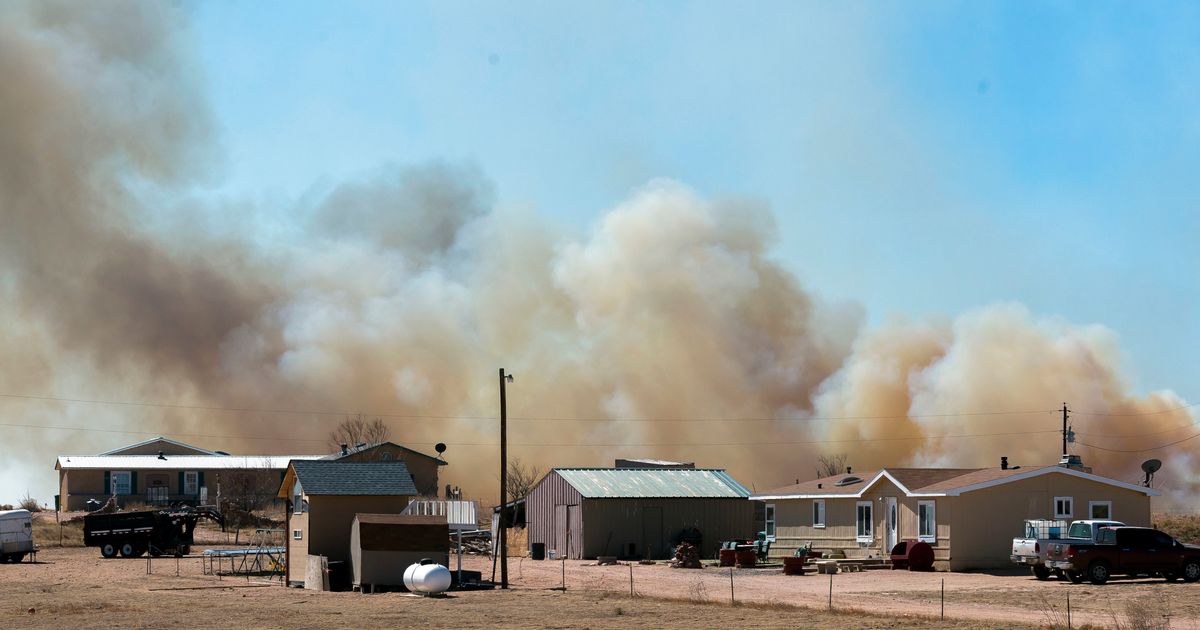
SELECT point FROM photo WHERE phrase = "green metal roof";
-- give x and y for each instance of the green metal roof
(646, 483)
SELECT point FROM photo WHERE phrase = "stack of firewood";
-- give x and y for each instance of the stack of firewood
(687, 556)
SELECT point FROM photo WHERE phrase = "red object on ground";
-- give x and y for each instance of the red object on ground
(912, 555)
(794, 565)
(746, 558)
(728, 557)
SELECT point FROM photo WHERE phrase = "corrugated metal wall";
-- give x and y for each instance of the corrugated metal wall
(551, 492)
(612, 525)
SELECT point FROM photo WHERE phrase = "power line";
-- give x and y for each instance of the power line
(545, 444)
(1131, 415)
(1190, 425)
(395, 416)
(1141, 450)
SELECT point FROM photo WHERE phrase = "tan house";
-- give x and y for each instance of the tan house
(163, 471)
(969, 516)
(324, 496)
(422, 467)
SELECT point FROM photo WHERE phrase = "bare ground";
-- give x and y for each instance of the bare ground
(74, 586)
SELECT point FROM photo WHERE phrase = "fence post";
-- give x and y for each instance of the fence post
(731, 599)
(831, 591)
(1068, 611)
(631, 579)
(943, 598)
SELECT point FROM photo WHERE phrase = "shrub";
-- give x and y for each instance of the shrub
(30, 503)
(1184, 527)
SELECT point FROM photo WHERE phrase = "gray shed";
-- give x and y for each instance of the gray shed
(382, 546)
(635, 512)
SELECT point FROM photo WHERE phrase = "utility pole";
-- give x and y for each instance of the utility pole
(1065, 416)
(503, 528)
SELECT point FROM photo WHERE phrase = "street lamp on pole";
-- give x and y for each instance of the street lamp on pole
(503, 529)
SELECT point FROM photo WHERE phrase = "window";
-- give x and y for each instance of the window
(819, 513)
(297, 534)
(1100, 509)
(1064, 507)
(865, 521)
(120, 482)
(770, 524)
(927, 521)
(191, 482)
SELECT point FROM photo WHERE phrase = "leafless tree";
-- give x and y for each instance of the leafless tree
(522, 478)
(830, 465)
(250, 489)
(356, 430)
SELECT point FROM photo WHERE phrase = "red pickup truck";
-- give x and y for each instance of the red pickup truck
(1126, 551)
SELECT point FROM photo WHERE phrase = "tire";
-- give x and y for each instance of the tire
(1097, 572)
(128, 550)
(185, 550)
(1075, 576)
(1191, 570)
(108, 550)
(1041, 571)
(3, 558)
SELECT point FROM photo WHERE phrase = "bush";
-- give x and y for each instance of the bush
(1184, 527)
(30, 503)
(6, 506)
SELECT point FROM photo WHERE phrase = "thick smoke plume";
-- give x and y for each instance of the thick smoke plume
(667, 331)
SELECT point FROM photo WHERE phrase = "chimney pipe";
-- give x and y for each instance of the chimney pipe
(345, 449)
(1003, 463)
(847, 470)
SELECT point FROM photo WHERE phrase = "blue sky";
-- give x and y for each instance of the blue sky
(920, 158)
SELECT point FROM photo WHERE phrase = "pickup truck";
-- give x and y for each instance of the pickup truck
(1040, 534)
(1125, 551)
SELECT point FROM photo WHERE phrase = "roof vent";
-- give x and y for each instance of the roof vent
(846, 481)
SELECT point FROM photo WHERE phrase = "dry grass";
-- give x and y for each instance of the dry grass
(47, 533)
(1184, 527)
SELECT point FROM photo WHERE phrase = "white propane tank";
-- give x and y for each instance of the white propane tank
(427, 578)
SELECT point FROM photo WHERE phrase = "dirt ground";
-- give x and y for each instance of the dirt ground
(76, 586)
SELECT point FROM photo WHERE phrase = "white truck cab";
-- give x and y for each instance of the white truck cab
(16, 535)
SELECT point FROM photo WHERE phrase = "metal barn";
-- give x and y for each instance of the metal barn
(635, 512)
(382, 546)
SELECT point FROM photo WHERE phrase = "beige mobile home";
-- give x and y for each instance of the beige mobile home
(969, 516)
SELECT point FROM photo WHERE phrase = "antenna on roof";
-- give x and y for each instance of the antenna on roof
(1150, 466)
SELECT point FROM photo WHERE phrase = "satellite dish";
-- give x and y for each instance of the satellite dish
(441, 448)
(1150, 466)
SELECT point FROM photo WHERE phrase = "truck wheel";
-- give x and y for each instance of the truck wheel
(128, 551)
(108, 550)
(185, 550)
(1191, 570)
(1041, 572)
(1075, 576)
(1098, 572)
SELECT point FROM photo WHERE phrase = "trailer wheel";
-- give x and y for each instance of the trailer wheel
(128, 551)
(108, 550)
(1041, 571)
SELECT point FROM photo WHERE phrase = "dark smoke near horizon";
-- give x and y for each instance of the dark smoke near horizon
(402, 292)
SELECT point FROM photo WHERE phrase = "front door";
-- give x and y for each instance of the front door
(890, 524)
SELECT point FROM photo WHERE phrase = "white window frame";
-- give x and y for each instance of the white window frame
(191, 483)
(1069, 512)
(869, 522)
(769, 521)
(819, 513)
(115, 487)
(931, 507)
(1107, 517)
(297, 534)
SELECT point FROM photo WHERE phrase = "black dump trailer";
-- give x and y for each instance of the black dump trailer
(132, 534)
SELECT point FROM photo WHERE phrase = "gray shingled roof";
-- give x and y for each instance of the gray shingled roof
(354, 478)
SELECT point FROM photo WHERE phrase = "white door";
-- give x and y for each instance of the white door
(889, 527)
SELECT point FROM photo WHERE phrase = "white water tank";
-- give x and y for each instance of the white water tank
(427, 578)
